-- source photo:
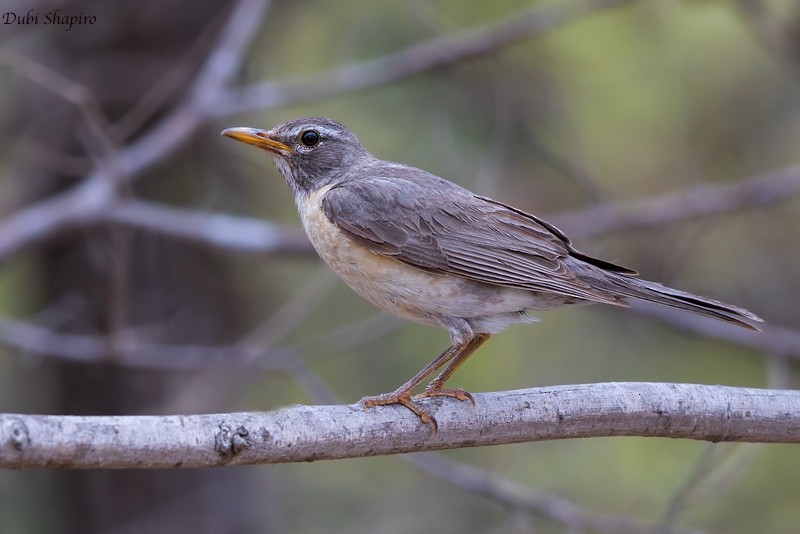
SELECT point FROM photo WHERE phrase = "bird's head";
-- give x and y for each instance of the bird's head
(310, 153)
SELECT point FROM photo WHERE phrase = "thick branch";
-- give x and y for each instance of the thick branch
(307, 433)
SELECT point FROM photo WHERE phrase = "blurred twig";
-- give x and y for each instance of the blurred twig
(167, 85)
(519, 497)
(709, 477)
(698, 201)
(774, 339)
(701, 469)
(287, 317)
(81, 348)
(732, 468)
(102, 135)
(215, 230)
(776, 31)
(436, 53)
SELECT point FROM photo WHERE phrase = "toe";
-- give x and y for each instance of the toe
(403, 399)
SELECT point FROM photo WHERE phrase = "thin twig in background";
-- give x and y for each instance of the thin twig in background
(532, 500)
(217, 231)
(287, 317)
(711, 478)
(167, 85)
(731, 469)
(773, 29)
(681, 497)
(773, 338)
(102, 135)
(436, 53)
(693, 202)
(81, 348)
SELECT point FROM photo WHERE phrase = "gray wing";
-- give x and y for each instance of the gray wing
(435, 225)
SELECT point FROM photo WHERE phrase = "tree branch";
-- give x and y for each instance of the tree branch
(307, 433)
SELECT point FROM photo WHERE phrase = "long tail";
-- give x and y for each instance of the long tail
(654, 292)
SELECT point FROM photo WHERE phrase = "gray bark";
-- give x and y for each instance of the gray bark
(308, 433)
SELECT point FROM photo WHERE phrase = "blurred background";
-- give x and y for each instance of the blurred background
(150, 266)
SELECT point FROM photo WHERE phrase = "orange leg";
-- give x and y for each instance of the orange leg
(435, 388)
(402, 395)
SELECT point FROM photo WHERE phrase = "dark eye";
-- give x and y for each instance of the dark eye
(309, 138)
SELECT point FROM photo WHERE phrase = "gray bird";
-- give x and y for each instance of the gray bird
(426, 249)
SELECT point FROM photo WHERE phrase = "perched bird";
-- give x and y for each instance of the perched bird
(428, 250)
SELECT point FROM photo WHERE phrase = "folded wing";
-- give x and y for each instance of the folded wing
(447, 229)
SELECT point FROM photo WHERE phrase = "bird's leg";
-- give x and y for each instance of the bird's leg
(402, 395)
(458, 353)
(436, 389)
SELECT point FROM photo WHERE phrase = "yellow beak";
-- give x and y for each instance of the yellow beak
(260, 138)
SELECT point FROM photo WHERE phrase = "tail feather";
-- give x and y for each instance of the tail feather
(655, 292)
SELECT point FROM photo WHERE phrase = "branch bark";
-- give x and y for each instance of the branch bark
(308, 433)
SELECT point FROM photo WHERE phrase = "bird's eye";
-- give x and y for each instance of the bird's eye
(309, 138)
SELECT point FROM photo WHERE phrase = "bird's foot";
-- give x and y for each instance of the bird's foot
(401, 397)
(405, 398)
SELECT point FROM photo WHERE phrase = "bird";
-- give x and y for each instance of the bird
(428, 250)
